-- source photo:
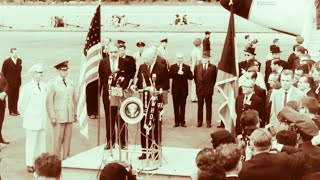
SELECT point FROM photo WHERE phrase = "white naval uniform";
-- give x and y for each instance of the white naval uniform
(32, 106)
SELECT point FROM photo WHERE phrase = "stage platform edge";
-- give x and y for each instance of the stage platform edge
(177, 163)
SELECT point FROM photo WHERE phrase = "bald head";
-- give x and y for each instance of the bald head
(248, 87)
(149, 54)
(179, 57)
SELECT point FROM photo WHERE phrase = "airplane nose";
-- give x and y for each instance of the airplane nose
(240, 7)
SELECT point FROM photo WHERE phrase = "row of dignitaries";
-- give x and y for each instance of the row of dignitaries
(39, 102)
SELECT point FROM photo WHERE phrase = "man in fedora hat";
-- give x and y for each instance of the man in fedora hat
(205, 75)
(275, 56)
(249, 55)
(62, 108)
(206, 42)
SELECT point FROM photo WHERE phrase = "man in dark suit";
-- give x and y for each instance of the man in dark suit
(206, 43)
(229, 157)
(180, 74)
(252, 75)
(92, 99)
(264, 165)
(307, 130)
(248, 100)
(276, 56)
(11, 69)
(292, 57)
(205, 75)
(4, 87)
(131, 63)
(151, 68)
(112, 73)
(306, 84)
(244, 65)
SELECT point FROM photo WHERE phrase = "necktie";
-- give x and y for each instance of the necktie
(148, 68)
(64, 82)
(39, 86)
(285, 98)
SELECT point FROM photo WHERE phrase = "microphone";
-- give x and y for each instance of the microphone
(154, 77)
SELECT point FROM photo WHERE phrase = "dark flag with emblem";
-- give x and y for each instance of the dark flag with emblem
(227, 78)
(89, 68)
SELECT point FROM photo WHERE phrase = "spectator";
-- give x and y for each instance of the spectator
(306, 84)
(116, 171)
(286, 137)
(221, 137)
(229, 157)
(47, 167)
(204, 157)
(265, 165)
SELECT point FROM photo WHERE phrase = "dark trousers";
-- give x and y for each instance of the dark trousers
(2, 109)
(13, 98)
(110, 125)
(144, 135)
(208, 100)
(179, 106)
(92, 98)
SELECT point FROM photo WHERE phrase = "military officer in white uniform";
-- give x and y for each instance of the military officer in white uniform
(61, 105)
(32, 106)
(137, 55)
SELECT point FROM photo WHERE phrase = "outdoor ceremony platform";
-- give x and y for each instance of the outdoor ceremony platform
(177, 163)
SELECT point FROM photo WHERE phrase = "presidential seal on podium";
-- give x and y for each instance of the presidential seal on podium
(131, 110)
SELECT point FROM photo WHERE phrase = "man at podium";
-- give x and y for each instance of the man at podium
(113, 78)
(151, 74)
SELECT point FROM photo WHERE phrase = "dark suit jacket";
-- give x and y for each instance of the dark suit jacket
(232, 178)
(291, 60)
(206, 44)
(257, 91)
(256, 103)
(268, 166)
(244, 65)
(105, 72)
(162, 61)
(180, 82)
(268, 70)
(131, 67)
(268, 106)
(12, 72)
(205, 81)
(162, 80)
(314, 153)
(311, 93)
(4, 87)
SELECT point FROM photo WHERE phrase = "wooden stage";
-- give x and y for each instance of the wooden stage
(176, 163)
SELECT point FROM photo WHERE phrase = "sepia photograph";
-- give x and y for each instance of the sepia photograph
(160, 89)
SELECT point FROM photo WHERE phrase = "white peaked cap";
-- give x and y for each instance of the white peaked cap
(36, 68)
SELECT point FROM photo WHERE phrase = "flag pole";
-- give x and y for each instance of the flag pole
(98, 139)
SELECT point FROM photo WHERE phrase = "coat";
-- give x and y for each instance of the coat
(256, 103)
(62, 101)
(4, 87)
(162, 80)
(269, 166)
(206, 44)
(205, 81)
(12, 72)
(180, 82)
(314, 156)
(32, 105)
(277, 100)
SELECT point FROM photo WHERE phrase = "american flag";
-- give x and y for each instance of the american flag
(89, 68)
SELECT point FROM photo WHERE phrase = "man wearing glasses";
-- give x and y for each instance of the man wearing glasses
(112, 73)
(244, 65)
(248, 100)
(61, 105)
